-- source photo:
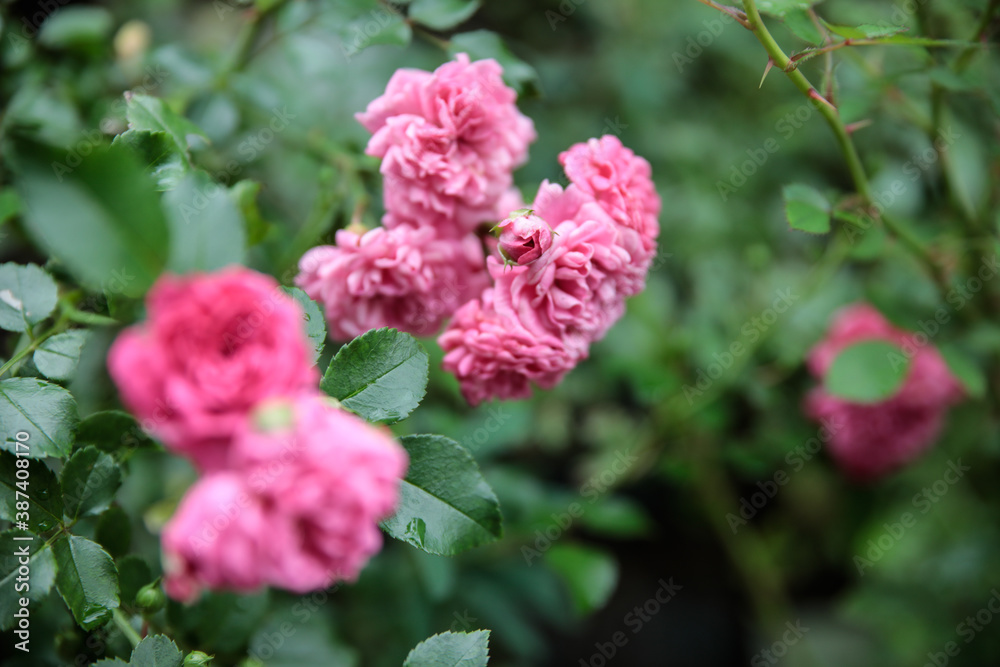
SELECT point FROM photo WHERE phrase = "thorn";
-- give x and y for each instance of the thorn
(770, 64)
(814, 94)
(860, 125)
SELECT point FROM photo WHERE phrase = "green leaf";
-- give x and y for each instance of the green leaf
(206, 228)
(86, 580)
(445, 506)
(617, 516)
(89, 482)
(359, 33)
(46, 412)
(59, 355)
(807, 209)
(968, 372)
(10, 205)
(149, 114)
(780, 8)
(442, 14)
(865, 31)
(244, 193)
(112, 431)
(114, 532)
(380, 375)
(72, 27)
(156, 651)
(479, 44)
(315, 324)
(41, 564)
(27, 296)
(102, 218)
(452, 649)
(867, 372)
(40, 487)
(590, 574)
(801, 24)
(133, 574)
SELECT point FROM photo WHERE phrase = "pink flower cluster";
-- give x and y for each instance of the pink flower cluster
(449, 141)
(873, 439)
(293, 487)
(579, 253)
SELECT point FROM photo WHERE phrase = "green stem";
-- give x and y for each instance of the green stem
(123, 624)
(247, 39)
(31, 347)
(965, 57)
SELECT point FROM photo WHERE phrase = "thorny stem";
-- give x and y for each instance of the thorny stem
(740, 17)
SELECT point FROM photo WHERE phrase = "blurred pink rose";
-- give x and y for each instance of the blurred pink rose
(213, 346)
(449, 141)
(300, 509)
(872, 439)
(404, 277)
(524, 237)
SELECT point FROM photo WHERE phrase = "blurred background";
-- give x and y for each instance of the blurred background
(646, 518)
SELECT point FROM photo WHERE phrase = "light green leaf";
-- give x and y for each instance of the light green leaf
(59, 355)
(446, 506)
(46, 412)
(206, 228)
(867, 372)
(780, 8)
(801, 24)
(380, 375)
(86, 579)
(452, 649)
(590, 574)
(10, 205)
(27, 296)
(315, 325)
(156, 651)
(807, 209)
(89, 482)
(150, 114)
(39, 488)
(442, 14)
(101, 218)
(865, 31)
(479, 44)
(71, 27)
(41, 564)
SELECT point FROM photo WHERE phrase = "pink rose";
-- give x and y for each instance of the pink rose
(619, 180)
(524, 237)
(495, 357)
(405, 277)
(449, 142)
(871, 440)
(299, 511)
(212, 347)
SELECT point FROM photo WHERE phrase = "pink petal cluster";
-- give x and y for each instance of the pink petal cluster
(449, 141)
(293, 487)
(538, 319)
(873, 439)
(212, 347)
(299, 509)
(405, 277)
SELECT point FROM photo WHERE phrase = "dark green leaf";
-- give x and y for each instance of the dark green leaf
(45, 508)
(86, 580)
(315, 325)
(112, 431)
(89, 482)
(76, 26)
(807, 209)
(27, 296)
(590, 574)
(46, 412)
(89, 216)
(442, 14)
(206, 229)
(133, 574)
(156, 651)
(114, 532)
(42, 568)
(445, 506)
(479, 44)
(380, 375)
(10, 205)
(59, 355)
(867, 372)
(452, 649)
(150, 114)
